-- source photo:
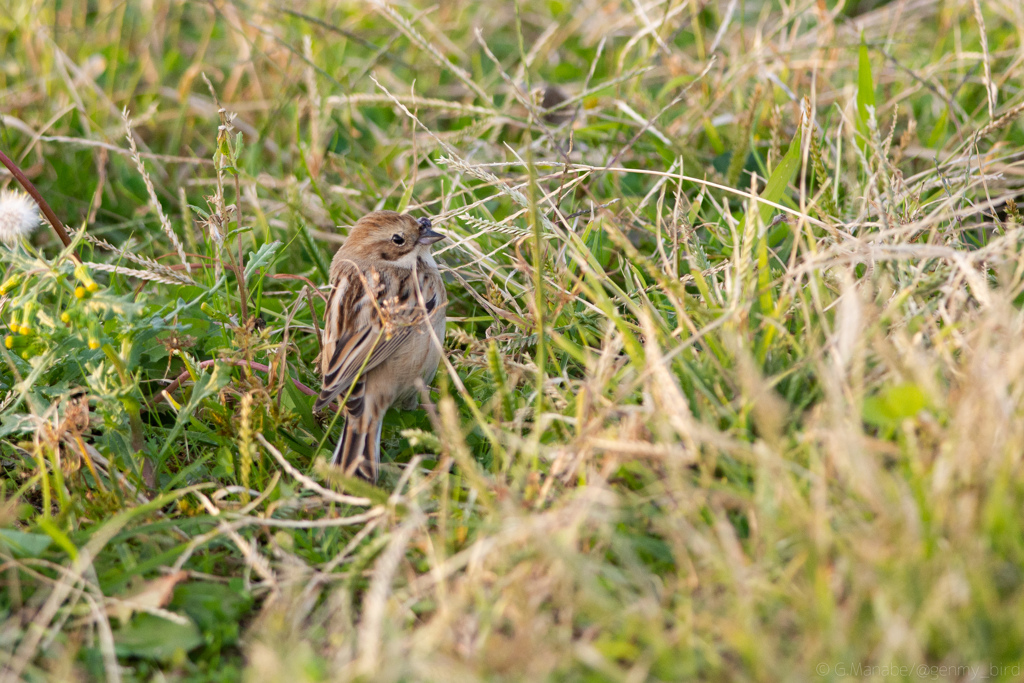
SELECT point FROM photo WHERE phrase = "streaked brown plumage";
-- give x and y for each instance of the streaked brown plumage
(386, 289)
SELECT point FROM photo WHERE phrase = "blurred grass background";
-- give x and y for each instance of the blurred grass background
(734, 381)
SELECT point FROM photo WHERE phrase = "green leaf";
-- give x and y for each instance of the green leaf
(691, 217)
(616, 648)
(304, 405)
(773, 191)
(152, 637)
(403, 203)
(776, 186)
(261, 258)
(939, 131)
(713, 137)
(58, 536)
(865, 88)
(24, 544)
(894, 404)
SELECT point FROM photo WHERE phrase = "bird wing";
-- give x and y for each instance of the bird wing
(356, 337)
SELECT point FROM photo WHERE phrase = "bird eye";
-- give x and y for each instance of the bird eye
(398, 239)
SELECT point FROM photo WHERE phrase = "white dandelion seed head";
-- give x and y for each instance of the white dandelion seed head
(19, 216)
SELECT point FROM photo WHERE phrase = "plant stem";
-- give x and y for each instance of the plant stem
(44, 206)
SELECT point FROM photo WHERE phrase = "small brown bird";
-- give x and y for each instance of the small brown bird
(386, 290)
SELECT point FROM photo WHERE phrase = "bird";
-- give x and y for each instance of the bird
(386, 295)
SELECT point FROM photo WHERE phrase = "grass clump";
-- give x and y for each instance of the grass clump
(733, 377)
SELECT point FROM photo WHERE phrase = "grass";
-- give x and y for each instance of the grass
(733, 384)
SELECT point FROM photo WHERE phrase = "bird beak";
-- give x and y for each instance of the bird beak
(428, 236)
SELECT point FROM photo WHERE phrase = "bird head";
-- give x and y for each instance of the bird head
(391, 236)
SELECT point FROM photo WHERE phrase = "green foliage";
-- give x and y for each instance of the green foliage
(894, 404)
(151, 637)
(216, 609)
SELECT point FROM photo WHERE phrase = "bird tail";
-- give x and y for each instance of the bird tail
(358, 449)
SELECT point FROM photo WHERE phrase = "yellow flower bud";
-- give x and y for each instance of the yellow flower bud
(79, 292)
(25, 354)
(92, 286)
(9, 284)
(65, 317)
(9, 341)
(24, 329)
(94, 344)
